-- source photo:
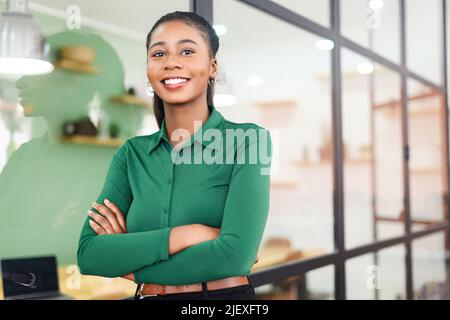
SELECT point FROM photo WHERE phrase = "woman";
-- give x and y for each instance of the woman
(179, 227)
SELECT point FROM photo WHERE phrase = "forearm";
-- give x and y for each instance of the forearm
(113, 255)
(205, 261)
(185, 236)
(178, 241)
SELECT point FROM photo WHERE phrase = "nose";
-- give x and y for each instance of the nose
(21, 83)
(172, 62)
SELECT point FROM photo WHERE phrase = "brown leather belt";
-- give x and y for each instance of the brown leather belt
(150, 289)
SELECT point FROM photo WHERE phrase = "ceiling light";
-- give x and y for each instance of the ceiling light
(24, 49)
(324, 45)
(220, 29)
(365, 68)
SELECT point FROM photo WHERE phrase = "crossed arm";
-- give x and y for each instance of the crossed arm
(111, 221)
(174, 255)
(106, 248)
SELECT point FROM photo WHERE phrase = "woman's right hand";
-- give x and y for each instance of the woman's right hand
(184, 236)
(201, 233)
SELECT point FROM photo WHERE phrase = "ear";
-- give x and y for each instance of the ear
(214, 68)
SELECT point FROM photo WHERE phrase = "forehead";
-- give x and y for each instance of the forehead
(172, 31)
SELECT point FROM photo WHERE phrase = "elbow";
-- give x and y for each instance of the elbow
(240, 265)
(231, 268)
(83, 262)
(237, 261)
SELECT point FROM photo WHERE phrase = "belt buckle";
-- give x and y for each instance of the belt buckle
(141, 296)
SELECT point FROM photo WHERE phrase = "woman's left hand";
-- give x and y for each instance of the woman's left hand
(110, 221)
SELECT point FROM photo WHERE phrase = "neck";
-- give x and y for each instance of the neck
(54, 129)
(183, 116)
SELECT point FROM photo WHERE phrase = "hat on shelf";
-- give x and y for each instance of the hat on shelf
(77, 59)
(130, 98)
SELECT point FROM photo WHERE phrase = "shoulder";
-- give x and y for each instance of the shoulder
(227, 124)
(139, 143)
(245, 132)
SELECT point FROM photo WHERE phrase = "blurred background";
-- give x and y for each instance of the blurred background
(354, 91)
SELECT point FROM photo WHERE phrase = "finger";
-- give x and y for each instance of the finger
(110, 216)
(102, 221)
(119, 215)
(97, 228)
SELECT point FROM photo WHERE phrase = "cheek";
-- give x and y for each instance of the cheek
(151, 74)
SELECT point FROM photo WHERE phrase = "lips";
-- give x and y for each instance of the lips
(24, 94)
(172, 86)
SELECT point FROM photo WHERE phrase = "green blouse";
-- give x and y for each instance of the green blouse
(158, 188)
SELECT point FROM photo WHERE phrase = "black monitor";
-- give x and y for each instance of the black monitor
(33, 276)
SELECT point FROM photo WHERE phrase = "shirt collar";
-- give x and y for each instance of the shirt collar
(215, 120)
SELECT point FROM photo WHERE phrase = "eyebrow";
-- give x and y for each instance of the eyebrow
(181, 41)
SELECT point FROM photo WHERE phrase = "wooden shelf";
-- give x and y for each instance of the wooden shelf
(275, 255)
(92, 140)
(395, 103)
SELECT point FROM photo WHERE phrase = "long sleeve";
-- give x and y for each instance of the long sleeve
(234, 251)
(114, 255)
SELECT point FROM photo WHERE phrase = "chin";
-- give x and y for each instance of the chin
(27, 109)
(175, 100)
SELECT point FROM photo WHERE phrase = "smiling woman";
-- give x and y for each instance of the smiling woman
(154, 216)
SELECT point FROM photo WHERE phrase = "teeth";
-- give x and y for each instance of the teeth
(174, 81)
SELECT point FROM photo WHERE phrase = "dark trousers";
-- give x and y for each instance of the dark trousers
(244, 292)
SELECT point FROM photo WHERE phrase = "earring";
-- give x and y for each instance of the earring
(149, 89)
(211, 80)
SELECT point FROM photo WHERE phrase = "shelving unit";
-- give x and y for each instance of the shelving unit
(93, 140)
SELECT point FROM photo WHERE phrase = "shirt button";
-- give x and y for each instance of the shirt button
(166, 209)
(169, 180)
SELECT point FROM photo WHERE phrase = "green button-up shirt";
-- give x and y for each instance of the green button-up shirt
(157, 188)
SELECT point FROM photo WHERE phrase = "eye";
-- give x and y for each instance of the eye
(155, 54)
(187, 50)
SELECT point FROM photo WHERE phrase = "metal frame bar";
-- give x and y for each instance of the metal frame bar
(338, 157)
(203, 8)
(446, 130)
(446, 112)
(405, 151)
(341, 254)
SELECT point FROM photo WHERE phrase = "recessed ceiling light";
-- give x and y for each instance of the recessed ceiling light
(255, 81)
(365, 68)
(324, 45)
(220, 29)
(223, 100)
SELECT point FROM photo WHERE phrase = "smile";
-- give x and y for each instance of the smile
(175, 83)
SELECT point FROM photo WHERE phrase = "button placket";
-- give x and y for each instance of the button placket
(167, 193)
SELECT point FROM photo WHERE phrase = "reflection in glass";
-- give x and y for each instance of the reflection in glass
(430, 268)
(426, 139)
(49, 180)
(371, 124)
(292, 100)
(58, 132)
